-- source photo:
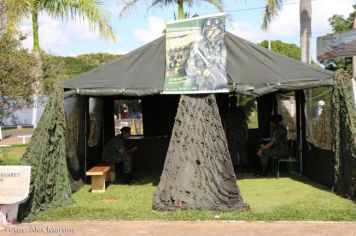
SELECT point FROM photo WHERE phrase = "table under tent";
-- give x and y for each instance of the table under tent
(251, 69)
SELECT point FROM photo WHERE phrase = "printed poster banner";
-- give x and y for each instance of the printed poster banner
(196, 56)
(336, 45)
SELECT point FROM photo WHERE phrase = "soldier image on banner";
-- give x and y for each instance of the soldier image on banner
(196, 56)
(206, 63)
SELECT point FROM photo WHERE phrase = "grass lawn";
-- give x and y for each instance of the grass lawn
(269, 198)
(11, 155)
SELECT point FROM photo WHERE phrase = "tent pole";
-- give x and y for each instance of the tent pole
(85, 135)
(300, 129)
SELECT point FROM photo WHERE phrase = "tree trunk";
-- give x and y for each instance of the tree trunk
(198, 172)
(305, 29)
(354, 57)
(2, 16)
(180, 9)
(37, 70)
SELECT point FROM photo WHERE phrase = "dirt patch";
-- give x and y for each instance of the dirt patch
(109, 200)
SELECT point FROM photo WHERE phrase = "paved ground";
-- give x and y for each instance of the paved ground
(183, 228)
(13, 139)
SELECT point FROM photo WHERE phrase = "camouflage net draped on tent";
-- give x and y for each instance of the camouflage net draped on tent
(344, 131)
(50, 184)
(198, 172)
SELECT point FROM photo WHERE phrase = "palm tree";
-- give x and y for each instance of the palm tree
(88, 11)
(305, 11)
(9, 16)
(271, 10)
(180, 4)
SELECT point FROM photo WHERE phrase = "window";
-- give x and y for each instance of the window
(128, 113)
(288, 109)
(249, 105)
(318, 114)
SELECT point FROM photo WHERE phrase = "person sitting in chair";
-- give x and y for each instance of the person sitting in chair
(115, 152)
(277, 147)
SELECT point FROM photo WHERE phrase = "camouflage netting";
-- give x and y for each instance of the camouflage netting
(198, 172)
(50, 184)
(344, 131)
(74, 140)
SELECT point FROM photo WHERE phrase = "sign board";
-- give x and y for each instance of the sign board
(196, 55)
(336, 45)
(14, 183)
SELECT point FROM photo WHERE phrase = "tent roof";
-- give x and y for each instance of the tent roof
(251, 69)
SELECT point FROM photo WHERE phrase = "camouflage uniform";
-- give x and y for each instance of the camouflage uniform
(279, 148)
(111, 153)
(205, 67)
(236, 138)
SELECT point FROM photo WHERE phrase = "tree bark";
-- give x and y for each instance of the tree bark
(305, 30)
(37, 70)
(354, 57)
(198, 172)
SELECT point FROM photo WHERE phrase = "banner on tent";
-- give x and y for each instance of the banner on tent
(196, 55)
(336, 45)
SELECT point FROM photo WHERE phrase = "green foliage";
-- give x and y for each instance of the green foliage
(58, 68)
(339, 24)
(16, 77)
(271, 10)
(287, 49)
(130, 4)
(269, 198)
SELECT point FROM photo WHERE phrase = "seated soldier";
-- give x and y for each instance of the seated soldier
(115, 151)
(277, 147)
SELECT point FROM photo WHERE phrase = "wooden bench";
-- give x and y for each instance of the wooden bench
(24, 137)
(98, 177)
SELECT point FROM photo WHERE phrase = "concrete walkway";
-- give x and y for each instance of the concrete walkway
(183, 228)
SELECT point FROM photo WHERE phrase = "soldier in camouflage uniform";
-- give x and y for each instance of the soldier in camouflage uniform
(115, 152)
(206, 66)
(277, 147)
(236, 131)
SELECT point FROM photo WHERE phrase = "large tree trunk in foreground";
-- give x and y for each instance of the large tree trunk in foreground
(198, 172)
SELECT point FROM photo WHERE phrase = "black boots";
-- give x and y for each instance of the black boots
(263, 173)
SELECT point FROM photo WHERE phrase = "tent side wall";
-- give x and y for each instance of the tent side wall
(158, 118)
(319, 165)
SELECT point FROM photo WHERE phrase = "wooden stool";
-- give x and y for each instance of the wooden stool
(98, 177)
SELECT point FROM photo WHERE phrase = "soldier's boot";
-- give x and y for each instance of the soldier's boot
(264, 171)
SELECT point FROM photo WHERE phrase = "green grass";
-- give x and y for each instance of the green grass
(269, 198)
(11, 155)
(253, 121)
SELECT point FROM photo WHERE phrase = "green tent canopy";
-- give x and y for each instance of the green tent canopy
(251, 69)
